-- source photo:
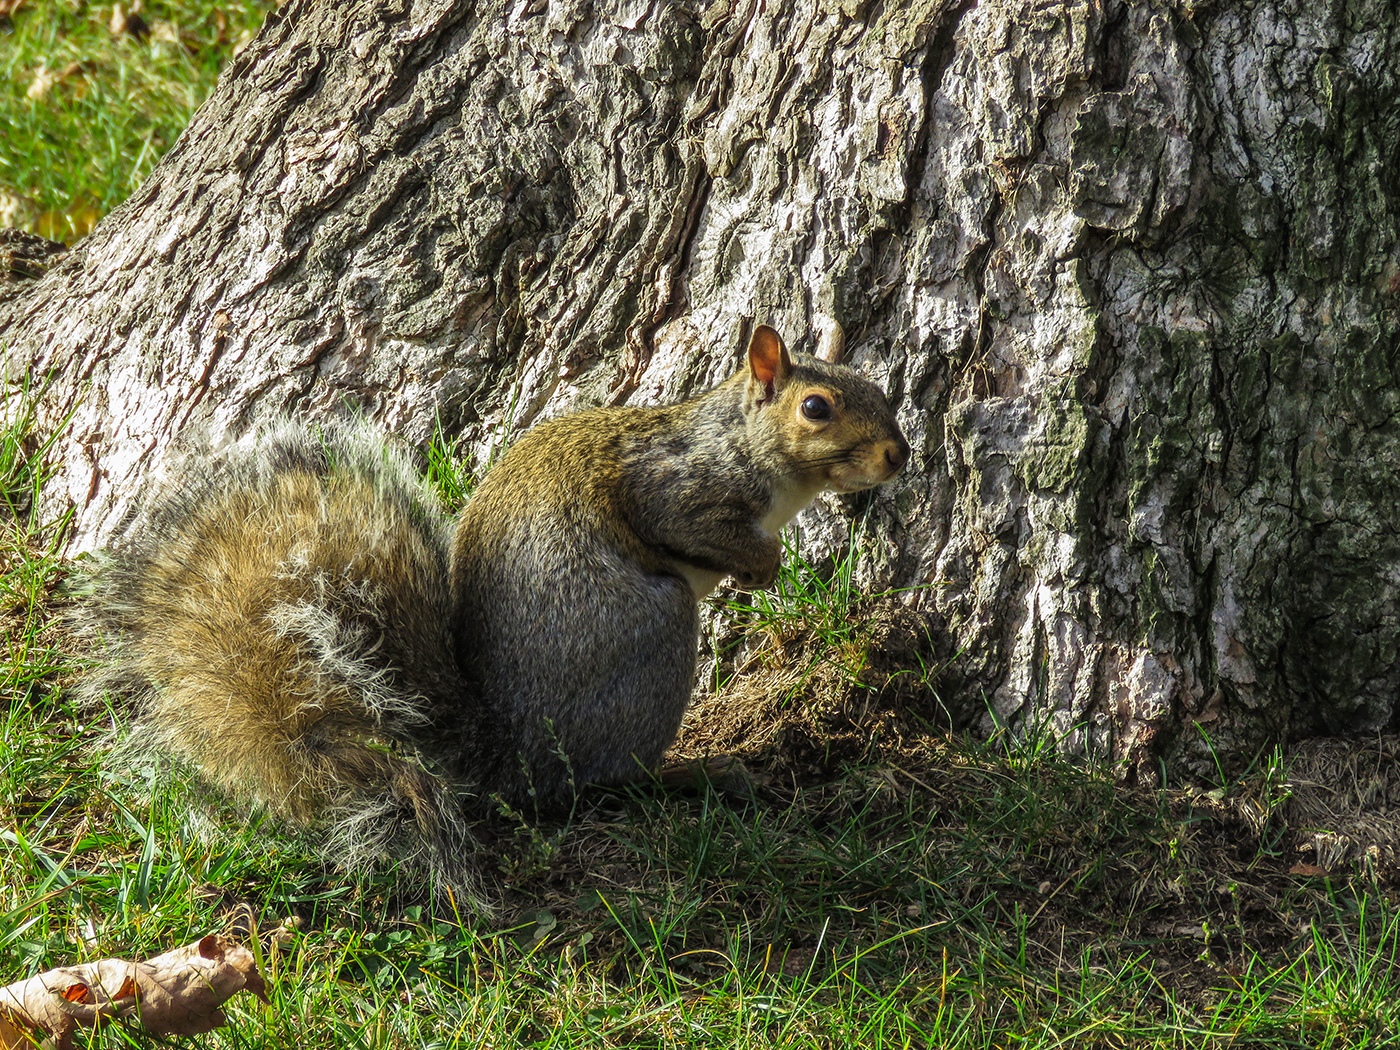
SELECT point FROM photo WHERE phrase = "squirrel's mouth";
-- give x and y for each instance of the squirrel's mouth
(859, 482)
(856, 477)
(872, 467)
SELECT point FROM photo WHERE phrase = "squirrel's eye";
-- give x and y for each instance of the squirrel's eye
(815, 408)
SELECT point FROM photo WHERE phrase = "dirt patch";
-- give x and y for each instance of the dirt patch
(1196, 886)
(1344, 801)
(801, 700)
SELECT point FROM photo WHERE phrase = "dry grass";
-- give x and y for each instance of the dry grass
(881, 881)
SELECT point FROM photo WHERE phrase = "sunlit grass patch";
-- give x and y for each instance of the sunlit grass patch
(885, 883)
(90, 101)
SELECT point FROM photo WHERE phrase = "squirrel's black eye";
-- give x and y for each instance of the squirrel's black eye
(816, 408)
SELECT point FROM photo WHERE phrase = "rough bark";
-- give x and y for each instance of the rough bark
(1129, 270)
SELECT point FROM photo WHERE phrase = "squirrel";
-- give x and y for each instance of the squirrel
(305, 627)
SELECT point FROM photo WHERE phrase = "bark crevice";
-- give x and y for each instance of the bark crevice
(1129, 270)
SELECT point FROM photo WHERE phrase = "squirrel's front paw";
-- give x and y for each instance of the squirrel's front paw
(758, 577)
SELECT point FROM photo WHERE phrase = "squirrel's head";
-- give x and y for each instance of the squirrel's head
(834, 428)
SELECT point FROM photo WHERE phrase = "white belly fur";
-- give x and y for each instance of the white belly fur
(787, 503)
(702, 581)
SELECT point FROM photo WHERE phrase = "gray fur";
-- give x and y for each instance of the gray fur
(292, 618)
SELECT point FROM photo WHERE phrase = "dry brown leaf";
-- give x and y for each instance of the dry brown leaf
(44, 79)
(12, 1037)
(127, 23)
(178, 993)
(1307, 869)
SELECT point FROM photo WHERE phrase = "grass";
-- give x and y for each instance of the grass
(913, 890)
(944, 893)
(87, 112)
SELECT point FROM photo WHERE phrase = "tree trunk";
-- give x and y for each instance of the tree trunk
(1130, 272)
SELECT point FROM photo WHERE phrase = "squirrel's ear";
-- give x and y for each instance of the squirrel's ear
(769, 364)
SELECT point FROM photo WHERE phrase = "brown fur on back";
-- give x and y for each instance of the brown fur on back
(288, 619)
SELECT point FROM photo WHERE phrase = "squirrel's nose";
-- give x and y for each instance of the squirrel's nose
(897, 454)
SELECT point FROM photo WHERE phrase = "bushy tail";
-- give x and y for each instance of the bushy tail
(280, 619)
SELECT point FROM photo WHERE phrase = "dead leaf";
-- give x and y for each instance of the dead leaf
(171, 33)
(78, 993)
(69, 225)
(178, 993)
(1307, 869)
(14, 1038)
(44, 79)
(127, 23)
